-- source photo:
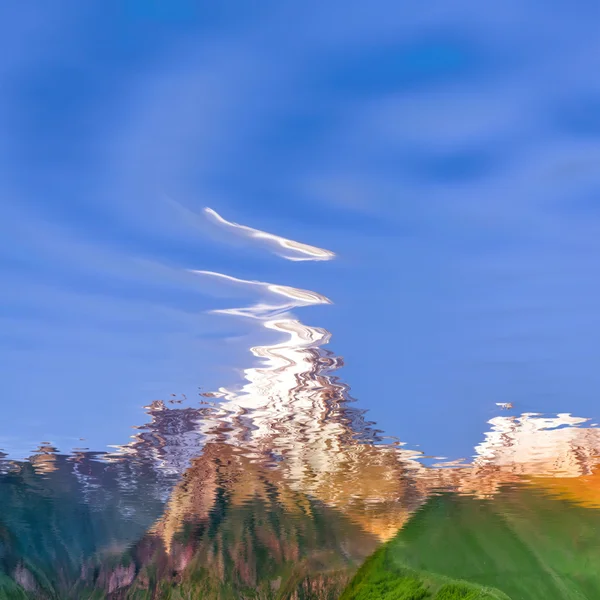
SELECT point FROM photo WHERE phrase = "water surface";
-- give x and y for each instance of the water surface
(280, 281)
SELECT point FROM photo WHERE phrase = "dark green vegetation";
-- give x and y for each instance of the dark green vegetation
(51, 523)
(521, 544)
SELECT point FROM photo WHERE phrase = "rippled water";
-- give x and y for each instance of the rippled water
(299, 302)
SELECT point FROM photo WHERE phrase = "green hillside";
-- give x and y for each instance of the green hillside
(525, 543)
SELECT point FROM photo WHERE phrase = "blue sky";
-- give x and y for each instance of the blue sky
(448, 154)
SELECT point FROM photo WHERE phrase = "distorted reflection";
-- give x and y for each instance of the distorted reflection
(279, 488)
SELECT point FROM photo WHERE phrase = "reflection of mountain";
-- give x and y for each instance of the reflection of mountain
(289, 444)
(277, 489)
(234, 529)
(291, 412)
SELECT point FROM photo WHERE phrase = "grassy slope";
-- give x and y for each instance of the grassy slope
(9, 590)
(525, 543)
(382, 578)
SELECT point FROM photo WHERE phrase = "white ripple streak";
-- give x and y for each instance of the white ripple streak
(303, 251)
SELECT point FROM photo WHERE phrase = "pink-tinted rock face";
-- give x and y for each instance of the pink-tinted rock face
(121, 577)
(25, 579)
